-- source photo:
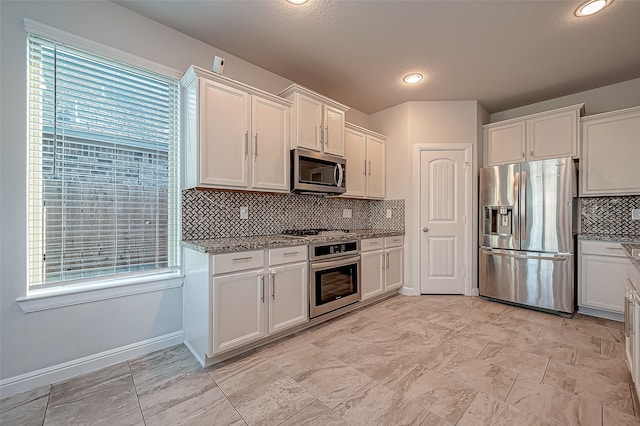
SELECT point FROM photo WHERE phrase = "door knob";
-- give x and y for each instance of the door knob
(425, 229)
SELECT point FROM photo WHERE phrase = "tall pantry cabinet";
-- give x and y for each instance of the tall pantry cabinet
(237, 136)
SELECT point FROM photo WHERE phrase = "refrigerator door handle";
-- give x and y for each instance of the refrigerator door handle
(559, 258)
(523, 205)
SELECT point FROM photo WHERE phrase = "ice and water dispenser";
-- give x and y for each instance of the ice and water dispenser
(498, 220)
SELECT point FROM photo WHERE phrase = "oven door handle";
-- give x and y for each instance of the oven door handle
(326, 264)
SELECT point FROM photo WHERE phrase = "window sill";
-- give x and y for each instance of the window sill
(41, 300)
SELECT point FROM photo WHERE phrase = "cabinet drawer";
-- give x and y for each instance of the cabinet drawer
(282, 255)
(604, 248)
(371, 244)
(396, 241)
(231, 262)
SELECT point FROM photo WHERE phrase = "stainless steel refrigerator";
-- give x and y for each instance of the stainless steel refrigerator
(527, 233)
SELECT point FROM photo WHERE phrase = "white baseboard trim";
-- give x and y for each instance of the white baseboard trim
(474, 292)
(66, 370)
(408, 291)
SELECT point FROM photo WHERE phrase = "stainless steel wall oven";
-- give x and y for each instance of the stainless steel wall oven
(334, 278)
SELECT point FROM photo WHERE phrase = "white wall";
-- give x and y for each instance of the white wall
(417, 123)
(34, 341)
(607, 98)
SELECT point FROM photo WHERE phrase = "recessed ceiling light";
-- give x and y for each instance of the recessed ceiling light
(412, 78)
(591, 7)
(297, 1)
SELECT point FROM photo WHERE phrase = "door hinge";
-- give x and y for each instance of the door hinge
(464, 219)
(464, 272)
(466, 164)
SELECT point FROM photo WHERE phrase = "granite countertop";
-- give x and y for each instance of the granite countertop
(631, 250)
(258, 242)
(611, 238)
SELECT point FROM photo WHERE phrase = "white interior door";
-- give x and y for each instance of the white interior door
(442, 221)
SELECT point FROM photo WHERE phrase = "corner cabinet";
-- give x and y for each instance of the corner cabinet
(234, 300)
(364, 151)
(551, 134)
(236, 136)
(611, 154)
(317, 121)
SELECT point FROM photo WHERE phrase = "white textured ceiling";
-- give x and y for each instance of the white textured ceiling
(505, 53)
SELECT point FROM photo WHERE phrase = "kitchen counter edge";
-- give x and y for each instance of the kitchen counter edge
(633, 239)
(258, 242)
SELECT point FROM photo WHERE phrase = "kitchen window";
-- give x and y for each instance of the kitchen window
(103, 174)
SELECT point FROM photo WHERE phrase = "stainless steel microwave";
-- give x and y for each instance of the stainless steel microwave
(315, 172)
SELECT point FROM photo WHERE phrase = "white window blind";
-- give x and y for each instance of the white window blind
(103, 178)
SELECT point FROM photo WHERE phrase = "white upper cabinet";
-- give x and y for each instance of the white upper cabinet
(365, 155)
(611, 154)
(236, 136)
(317, 121)
(270, 131)
(224, 121)
(551, 134)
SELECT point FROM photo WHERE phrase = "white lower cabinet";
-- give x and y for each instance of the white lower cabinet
(632, 323)
(238, 310)
(602, 272)
(381, 260)
(231, 300)
(288, 299)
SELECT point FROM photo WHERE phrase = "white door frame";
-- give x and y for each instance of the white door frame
(468, 211)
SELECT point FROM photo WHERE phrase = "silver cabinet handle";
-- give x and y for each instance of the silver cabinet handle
(626, 316)
(256, 151)
(369, 167)
(239, 259)
(387, 255)
(364, 167)
(532, 153)
(425, 229)
(262, 286)
(523, 155)
(613, 248)
(246, 143)
(272, 274)
(290, 253)
(327, 136)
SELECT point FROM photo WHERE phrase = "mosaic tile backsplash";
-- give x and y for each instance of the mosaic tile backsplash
(609, 215)
(216, 214)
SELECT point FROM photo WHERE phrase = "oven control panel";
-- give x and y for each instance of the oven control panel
(327, 250)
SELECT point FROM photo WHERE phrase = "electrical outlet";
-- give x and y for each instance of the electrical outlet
(346, 213)
(244, 212)
(635, 214)
(388, 213)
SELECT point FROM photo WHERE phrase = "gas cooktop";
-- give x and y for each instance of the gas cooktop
(316, 232)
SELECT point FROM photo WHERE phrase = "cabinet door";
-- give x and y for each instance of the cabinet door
(610, 153)
(629, 312)
(375, 168)
(238, 310)
(552, 136)
(288, 300)
(602, 282)
(308, 123)
(505, 144)
(333, 131)
(355, 148)
(394, 270)
(224, 133)
(269, 145)
(372, 276)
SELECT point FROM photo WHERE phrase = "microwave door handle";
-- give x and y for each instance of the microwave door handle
(340, 175)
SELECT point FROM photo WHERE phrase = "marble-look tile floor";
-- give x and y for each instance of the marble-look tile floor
(429, 360)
